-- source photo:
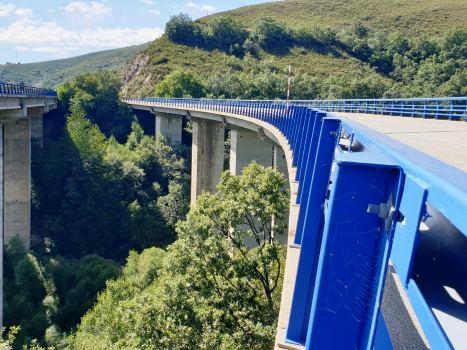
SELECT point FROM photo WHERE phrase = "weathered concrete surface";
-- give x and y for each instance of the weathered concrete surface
(280, 162)
(442, 139)
(245, 147)
(14, 107)
(207, 160)
(170, 126)
(17, 180)
(37, 130)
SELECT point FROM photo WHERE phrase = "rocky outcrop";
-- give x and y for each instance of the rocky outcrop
(134, 71)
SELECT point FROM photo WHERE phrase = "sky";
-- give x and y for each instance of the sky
(45, 30)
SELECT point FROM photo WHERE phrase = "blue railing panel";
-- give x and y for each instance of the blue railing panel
(11, 89)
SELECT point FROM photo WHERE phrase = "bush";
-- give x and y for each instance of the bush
(268, 32)
(181, 84)
(224, 32)
(181, 29)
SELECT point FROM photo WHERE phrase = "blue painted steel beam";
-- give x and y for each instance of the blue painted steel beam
(311, 236)
(354, 253)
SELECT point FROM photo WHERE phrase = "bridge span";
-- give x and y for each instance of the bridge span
(377, 232)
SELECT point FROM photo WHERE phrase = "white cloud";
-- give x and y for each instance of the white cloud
(54, 49)
(24, 12)
(21, 48)
(89, 10)
(118, 37)
(5, 10)
(208, 8)
(155, 12)
(49, 34)
(190, 4)
(27, 32)
(50, 10)
(147, 2)
(202, 8)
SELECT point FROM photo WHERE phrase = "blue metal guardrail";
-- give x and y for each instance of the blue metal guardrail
(374, 200)
(450, 108)
(11, 89)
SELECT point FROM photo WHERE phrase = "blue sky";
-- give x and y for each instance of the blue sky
(51, 29)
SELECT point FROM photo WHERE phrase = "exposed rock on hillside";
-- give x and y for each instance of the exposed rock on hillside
(132, 72)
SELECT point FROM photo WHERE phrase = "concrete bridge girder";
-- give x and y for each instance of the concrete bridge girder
(13, 108)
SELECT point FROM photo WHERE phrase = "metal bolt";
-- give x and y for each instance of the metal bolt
(384, 210)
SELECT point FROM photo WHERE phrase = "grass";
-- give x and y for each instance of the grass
(166, 57)
(412, 17)
(53, 73)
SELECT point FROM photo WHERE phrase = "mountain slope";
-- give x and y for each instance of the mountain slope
(406, 17)
(149, 67)
(409, 50)
(53, 73)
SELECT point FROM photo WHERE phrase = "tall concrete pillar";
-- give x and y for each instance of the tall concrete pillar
(170, 126)
(245, 147)
(17, 180)
(281, 163)
(37, 130)
(207, 161)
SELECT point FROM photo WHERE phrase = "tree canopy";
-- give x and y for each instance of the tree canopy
(181, 84)
(213, 292)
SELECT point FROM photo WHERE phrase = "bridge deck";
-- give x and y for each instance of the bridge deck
(442, 139)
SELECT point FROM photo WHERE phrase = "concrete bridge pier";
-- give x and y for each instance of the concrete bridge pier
(170, 126)
(16, 163)
(37, 131)
(207, 157)
(245, 147)
(281, 163)
(16, 115)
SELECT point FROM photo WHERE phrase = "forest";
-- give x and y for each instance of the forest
(118, 259)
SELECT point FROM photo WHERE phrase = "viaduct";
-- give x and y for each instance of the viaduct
(377, 231)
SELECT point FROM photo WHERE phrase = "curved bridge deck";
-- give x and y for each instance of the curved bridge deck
(377, 251)
(442, 139)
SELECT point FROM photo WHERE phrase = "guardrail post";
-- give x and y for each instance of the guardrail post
(303, 141)
(437, 116)
(452, 114)
(298, 134)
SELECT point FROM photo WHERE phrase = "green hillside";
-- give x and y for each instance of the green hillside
(53, 73)
(337, 48)
(408, 17)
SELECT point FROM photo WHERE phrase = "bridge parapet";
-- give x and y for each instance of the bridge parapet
(18, 101)
(15, 90)
(373, 212)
